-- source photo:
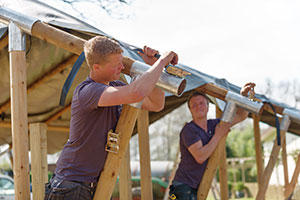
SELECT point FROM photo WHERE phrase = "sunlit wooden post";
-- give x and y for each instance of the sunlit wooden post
(39, 165)
(284, 162)
(223, 166)
(258, 150)
(19, 111)
(144, 149)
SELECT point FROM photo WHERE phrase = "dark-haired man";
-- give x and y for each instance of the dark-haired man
(198, 140)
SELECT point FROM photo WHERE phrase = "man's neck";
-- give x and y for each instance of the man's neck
(201, 122)
(97, 79)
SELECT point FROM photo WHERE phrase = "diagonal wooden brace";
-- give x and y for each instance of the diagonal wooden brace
(113, 162)
(269, 169)
(288, 115)
(291, 186)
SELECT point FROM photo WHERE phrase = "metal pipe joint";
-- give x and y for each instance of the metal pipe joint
(235, 100)
(22, 21)
(288, 116)
(169, 83)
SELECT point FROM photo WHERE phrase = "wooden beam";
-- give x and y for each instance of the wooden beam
(39, 165)
(258, 149)
(269, 169)
(4, 42)
(291, 186)
(112, 165)
(125, 184)
(66, 41)
(61, 66)
(58, 37)
(49, 128)
(19, 124)
(144, 147)
(223, 166)
(56, 115)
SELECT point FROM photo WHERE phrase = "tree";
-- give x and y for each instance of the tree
(112, 7)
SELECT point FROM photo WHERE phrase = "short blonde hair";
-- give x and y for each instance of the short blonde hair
(98, 48)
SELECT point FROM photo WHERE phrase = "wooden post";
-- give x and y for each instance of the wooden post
(112, 165)
(234, 171)
(39, 165)
(291, 186)
(243, 171)
(284, 161)
(269, 169)
(125, 190)
(144, 147)
(19, 114)
(258, 150)
(223, 166)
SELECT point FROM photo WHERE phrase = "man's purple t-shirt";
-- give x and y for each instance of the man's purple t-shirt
(84, 155)
(189, 171)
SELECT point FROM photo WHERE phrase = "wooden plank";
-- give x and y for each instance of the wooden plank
(258, 149)
(43, 79)
(50, 128)
(19, 124)
(39, 165)
(125, 190)
(223, 166)
(144, 149)
(112, 165)
(291, 186)
(4, 42)
(269, 169)
(210, 171)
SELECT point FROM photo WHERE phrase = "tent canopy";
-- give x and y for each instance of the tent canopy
(48, 67)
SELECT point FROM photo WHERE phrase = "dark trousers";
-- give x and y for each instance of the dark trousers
(181, 191)
(58, 189)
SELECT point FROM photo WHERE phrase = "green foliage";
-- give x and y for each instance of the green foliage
(5, 166)
(240, 143)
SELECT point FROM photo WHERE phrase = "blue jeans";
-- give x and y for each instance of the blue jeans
(58, 189)
(181, 191)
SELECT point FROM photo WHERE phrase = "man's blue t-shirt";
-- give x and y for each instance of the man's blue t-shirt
(189, 171)
(83, 156)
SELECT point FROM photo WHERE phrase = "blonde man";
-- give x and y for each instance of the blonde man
(96, 107)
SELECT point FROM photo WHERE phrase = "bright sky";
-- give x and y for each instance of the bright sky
(239, 40)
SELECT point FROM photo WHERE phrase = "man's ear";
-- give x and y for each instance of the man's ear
(97, 67)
